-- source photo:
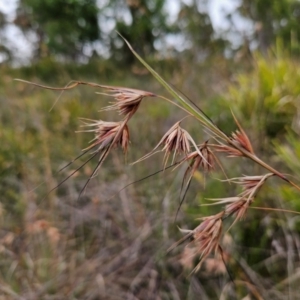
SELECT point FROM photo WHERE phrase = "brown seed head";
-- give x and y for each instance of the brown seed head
(105, 133)
(176, 139)
(206, 237)
(238, 205)
(207, 158)
(127, 100)
(250, 184)
(240, 138)
(203, 158)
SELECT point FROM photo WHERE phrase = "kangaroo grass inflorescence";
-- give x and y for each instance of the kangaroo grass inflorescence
(177, 142)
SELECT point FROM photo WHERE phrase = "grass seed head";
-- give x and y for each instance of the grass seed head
(205, 161)
(240, 138)
(251, 184)
(239, 204)
(205, 237)
(176, 139)
(105, 133)
(127, 100)
(239, 208)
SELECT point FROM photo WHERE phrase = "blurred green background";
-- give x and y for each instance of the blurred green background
(56, 246)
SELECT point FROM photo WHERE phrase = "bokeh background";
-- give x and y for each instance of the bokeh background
(240, 55)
